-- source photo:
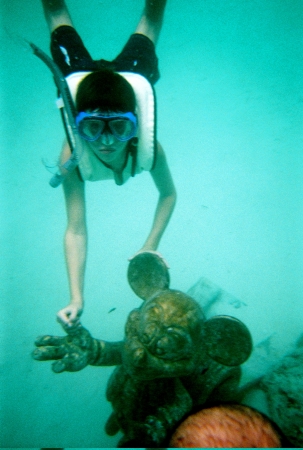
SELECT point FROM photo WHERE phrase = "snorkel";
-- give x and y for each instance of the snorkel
(68, 113)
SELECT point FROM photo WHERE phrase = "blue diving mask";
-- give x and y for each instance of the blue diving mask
(91, 125)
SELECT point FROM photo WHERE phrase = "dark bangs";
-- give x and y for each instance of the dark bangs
(105, 90)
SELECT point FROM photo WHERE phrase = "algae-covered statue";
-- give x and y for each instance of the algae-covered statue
(171, 359)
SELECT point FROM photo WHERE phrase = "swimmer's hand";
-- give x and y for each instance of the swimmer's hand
(69, 317)
(72, 353)
(149, 251)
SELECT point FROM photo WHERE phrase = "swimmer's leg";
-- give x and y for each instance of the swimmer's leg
(151, 20)
(56, 14)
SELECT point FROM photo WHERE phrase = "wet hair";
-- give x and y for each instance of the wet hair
(105, 90)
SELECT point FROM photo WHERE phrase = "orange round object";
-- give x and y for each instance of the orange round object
(230, 426)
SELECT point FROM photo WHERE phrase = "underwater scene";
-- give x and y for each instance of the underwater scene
(189, 330)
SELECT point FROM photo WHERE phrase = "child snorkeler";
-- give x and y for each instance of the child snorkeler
(115, 120)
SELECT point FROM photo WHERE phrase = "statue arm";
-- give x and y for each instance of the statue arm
(170, 413)
(106, 353)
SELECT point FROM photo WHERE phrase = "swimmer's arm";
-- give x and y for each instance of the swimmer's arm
(75, 242)
(166, 202)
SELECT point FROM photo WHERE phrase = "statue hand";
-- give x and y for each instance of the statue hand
(155, 428)
(72, 352)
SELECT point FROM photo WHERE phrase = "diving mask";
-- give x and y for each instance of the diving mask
(91, 125)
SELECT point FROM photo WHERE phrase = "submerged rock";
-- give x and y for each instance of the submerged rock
(283, 387)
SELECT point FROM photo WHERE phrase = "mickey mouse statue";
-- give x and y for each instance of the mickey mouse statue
(171, 360)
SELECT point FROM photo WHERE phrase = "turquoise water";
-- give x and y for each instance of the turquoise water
(230, 108)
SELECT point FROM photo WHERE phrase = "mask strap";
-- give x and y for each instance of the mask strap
(133, 150)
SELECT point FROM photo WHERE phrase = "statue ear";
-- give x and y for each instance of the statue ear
(147, 274)
(227, 340)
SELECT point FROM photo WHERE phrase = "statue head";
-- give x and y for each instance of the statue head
(168, 336)
(163, 337)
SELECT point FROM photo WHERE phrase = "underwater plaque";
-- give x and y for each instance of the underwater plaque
(227, 340)
(147, 274)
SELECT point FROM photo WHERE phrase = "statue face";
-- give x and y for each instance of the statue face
(162, 337)
(162, 334)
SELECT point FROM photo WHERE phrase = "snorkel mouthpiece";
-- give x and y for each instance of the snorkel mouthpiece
(56, 180)
(67, 167)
